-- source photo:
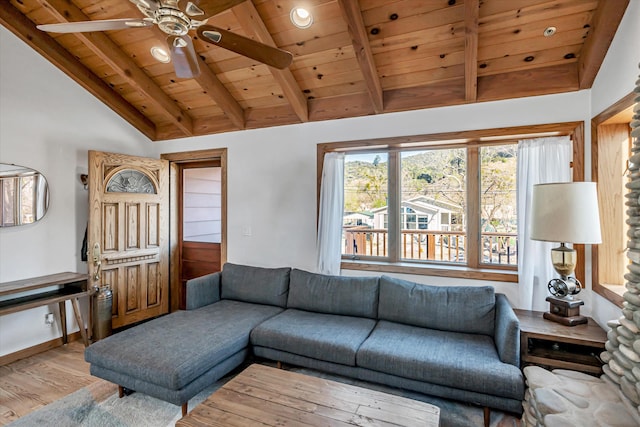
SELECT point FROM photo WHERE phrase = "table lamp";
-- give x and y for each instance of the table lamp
(566, 213)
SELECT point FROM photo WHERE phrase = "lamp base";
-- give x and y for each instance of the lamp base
(565, 312)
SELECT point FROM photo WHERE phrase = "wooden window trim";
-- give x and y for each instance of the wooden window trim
(621, 105)
(470, 138)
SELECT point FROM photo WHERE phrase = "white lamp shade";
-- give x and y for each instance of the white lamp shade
(566, 212)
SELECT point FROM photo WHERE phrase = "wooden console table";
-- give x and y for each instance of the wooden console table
(550, 344)
(72, 286)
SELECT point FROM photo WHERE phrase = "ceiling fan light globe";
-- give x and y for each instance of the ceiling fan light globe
(173, 21)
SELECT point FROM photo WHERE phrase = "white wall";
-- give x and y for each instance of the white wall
(48, 122)
(615, 80)
(272, 172)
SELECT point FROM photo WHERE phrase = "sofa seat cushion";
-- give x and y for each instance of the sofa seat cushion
(453, 359)
(320, 336)
(173, 350)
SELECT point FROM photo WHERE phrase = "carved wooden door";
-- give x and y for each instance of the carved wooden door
(128, 234)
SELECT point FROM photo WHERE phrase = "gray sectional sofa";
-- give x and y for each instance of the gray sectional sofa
(460, 343)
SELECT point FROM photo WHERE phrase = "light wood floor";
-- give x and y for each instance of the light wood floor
(36, 381)
(28, 384)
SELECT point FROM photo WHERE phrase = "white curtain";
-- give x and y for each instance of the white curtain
(329, 244)
(540, 161)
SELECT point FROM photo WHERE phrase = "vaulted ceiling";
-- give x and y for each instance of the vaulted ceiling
(359, 57)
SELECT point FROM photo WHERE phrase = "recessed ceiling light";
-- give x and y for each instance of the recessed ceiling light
(301, 17)
(160, 54)
(549, 31)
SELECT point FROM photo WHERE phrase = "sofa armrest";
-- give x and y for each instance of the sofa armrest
(507, 332)
(203, 291)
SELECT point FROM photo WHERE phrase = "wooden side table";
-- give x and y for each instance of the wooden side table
(550, 344)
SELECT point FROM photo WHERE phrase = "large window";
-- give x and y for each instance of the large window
(440, 204)
(431, 199)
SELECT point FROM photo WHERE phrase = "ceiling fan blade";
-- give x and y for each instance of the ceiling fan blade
(266, 54)
(202, 9)
(86, 26)
(183, 56)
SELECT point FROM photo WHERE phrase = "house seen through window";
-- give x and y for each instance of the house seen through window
(434, 204)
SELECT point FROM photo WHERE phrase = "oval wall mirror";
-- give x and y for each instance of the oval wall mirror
(24, 195)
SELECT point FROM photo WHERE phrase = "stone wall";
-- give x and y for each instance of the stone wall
(572, 399)
(622, 355)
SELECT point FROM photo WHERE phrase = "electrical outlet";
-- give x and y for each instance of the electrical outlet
(48, 319)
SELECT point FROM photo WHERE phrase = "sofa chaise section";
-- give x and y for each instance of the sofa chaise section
(176, 356)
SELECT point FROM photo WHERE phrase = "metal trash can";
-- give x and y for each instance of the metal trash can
(102, 303)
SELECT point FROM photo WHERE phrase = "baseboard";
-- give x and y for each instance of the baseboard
(30, 351)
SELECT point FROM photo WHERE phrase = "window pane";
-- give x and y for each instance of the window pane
(365, 205)
(202, 205)
(433, 187)
(130, 181)
(9, 201)
(27, 199)
(498, 208)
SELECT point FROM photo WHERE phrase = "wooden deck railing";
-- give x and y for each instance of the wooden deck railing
(449, 246)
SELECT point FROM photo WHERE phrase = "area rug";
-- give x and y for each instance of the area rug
(98, 405)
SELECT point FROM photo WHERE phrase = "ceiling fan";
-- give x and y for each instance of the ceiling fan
(176, 18)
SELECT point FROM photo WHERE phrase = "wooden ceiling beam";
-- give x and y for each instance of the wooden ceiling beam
(13, 20)
(251, 22)
(437, 94)
(256, 118)
(209, 82)
(471, 15)
(99, 43)
(605, 23)
(214, 88)
(362, 49)
(534, 82)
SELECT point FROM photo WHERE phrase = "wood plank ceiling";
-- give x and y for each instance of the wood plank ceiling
(358, 58)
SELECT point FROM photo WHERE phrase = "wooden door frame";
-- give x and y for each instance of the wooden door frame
(175, 159)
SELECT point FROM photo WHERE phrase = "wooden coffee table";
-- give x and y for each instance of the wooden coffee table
(265, 396)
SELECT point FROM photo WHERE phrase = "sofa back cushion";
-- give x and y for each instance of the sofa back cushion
(467, 309)
(255, 284)
(347, 296)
